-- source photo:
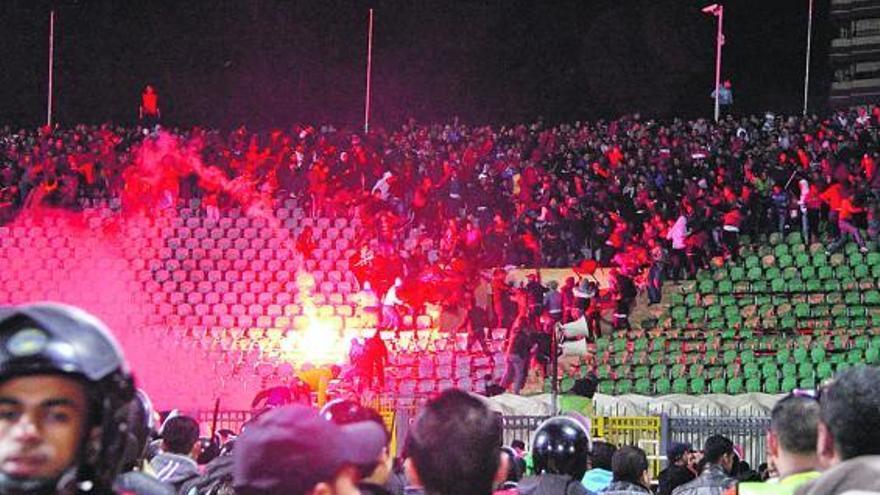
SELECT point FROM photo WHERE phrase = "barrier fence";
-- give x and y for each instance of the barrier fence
(654, 434)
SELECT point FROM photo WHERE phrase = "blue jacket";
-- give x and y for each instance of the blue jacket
(597, 479)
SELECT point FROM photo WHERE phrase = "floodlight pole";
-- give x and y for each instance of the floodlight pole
(807, 64)
(51, 63)
(369, 70)
(719, 42)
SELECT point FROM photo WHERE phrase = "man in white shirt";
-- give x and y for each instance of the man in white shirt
(390, 315)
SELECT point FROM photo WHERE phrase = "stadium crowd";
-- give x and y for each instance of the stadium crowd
(624, 192)
(73, 422)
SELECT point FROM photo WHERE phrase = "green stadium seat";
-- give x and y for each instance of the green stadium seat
(643, 386)
(778, 285)
(824, 371)
(624, 386)
(771, 386)
(734, 386)
(706, 286)
(718, 386)
(736, 273)
(698, 386)
(680, 386)
(784, 261)
(808, 383)
(755, 274)
(662, 386)
(753, 385)
(658, 371)
(788, 384)
(775, 238)
(606, 387)
(769, 370)
(872, 355)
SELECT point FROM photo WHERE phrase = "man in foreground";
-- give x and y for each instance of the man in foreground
(715, 478)
(292, 450)
(791, 446)
(678, 471)
(848, 434)
(454, 447)
(176, 463)
(631, 475)
(64, 385)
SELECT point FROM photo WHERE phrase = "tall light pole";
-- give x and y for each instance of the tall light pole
(807, 66)
(51, 63)
(717, 11)
(369, 71)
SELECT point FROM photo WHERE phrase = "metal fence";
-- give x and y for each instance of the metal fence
(748, 432)
(654, 434)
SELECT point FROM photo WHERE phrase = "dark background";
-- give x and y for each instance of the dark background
(266, 63)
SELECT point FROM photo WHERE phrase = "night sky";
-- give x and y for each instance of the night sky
(268, 63)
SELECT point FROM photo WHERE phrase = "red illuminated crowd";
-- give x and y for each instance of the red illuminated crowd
(624, 192)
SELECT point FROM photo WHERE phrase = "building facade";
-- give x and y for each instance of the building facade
(855, 53)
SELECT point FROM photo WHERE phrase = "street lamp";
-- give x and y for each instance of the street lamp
(717, 11)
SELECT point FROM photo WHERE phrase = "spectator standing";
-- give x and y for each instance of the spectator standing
(655, 275)
(848, 434)
(845, 226)
(455, 446)
(293, 450)
(149, 112)
(599, 476)
(569, 307)
(791, 445)
(176, 463)
(390, 303)
(373, 476)
(779, 200)
(375, 358)
(718, 456)
(679, 469)
(535, 294)
(631, 475)
(559, 451)
(474, 324)
(678, 236)
(517, 356)
(553, 301)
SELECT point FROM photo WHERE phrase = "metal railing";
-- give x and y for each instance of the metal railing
(654, 434)
(748, 432)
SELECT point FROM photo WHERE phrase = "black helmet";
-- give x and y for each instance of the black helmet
(45, 338)
(141, 430)
(560, 446)
(341, 411)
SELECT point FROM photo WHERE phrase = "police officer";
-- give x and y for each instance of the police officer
(560, 447)
(64, 394)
